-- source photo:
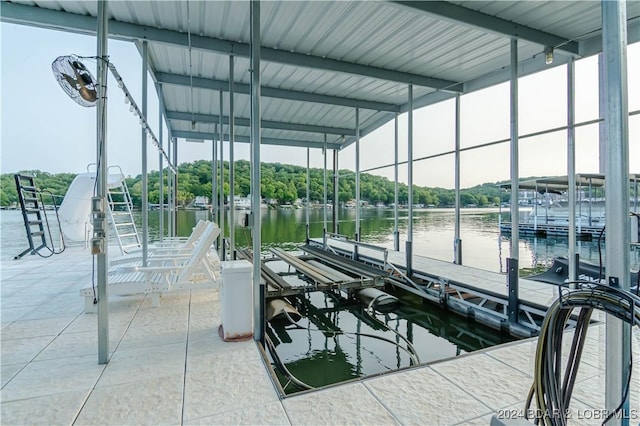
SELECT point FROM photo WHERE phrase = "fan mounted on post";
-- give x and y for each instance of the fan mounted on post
(76, 80)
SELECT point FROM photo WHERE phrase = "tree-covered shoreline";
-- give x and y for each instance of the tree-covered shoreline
(282, 182)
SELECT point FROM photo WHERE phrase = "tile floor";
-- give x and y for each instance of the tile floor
(168, 366)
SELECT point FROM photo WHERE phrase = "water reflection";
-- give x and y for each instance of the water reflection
(482, 245)
(338, 340)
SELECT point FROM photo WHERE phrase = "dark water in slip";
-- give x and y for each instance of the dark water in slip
(368, 342)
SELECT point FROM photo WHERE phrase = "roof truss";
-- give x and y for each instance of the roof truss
(273, 92)
(52, 19)
(246, 139)
(491, 23)
(265, 124)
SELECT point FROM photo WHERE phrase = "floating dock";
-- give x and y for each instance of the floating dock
(341, 264)
(585, 233)
(471, 292)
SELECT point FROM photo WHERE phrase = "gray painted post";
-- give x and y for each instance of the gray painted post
(324, 186)
(101, 192)
(571, 168)
(255, 165)
(169, 187)
(409, 242)
(358, 236)
(457, 242)
(222, 212)
(336, 193)
(308, 207)
(232, 192)
(214, 176)
(145, 177)
(160, 164)
(512, 262)
(175, 188)
(396, 233)
(614, 43)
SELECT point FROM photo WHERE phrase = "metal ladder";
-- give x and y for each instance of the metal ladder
(121, 215)
(35, 218)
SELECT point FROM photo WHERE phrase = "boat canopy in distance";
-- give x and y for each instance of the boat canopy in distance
(560, 184)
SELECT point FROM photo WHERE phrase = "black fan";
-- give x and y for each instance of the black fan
(75, 79)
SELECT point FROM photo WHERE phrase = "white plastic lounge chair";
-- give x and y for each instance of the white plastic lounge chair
(180, 251)
(170, 258)
(195, 273)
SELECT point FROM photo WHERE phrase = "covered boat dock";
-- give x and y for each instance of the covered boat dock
(321, 75)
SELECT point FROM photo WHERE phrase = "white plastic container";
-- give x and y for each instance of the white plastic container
(236, 294)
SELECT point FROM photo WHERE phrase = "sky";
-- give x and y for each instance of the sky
(42, 129)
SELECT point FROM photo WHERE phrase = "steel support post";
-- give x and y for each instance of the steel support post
(512, 262)
(101, 190)
(214, 176)
(409, 242)
(618, 343)
(169, 187)
(255, 164)
(571, 168)
(175, 188)
(160, 164)
(222, 211)
(145, 175)
(336, 193)
(324, 186)
(357, 230)
(232, 192)
(457, 242)
(396, 233)
(308, 206)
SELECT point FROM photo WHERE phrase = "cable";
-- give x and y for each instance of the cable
(552, 395)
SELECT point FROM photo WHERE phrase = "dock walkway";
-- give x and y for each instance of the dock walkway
(466, 290)
(168, 366)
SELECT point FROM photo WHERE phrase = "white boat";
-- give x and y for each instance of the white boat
(241, 203)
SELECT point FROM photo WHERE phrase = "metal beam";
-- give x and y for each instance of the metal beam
(59, 20)
(160, 164)
(232, 160)
(396, 233)
(618, 334)
(571, 168)
(264, 141)
(485, 22)
(358, 236)
(512, 261)
(220, 137)
(99, 220)
(256, 140)
(457, 242)
(409, 241)
(274, 92)
(143, 154)
(267, 124)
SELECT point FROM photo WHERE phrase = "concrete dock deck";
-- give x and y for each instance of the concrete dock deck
(168, 366)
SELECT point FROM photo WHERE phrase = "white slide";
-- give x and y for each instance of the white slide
(75, 210)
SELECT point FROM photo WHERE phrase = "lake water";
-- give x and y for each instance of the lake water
(483, 246)
(369, 342)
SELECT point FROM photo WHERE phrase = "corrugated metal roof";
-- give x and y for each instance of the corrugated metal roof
(321, 59)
